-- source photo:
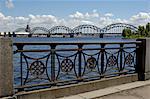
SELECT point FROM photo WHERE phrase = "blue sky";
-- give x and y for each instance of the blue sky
(17, 13)
(61, 8)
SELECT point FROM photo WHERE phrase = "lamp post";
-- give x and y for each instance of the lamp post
(28, 30)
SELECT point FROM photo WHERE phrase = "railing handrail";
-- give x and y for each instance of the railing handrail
(74, 43)
(75, 49)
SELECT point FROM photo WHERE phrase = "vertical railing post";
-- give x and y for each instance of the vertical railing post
(20, 47)
(53, 62)
(80, 61)
(121, 57)
(140, 59)
(102, 59)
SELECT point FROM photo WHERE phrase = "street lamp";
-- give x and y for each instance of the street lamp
(28, 30)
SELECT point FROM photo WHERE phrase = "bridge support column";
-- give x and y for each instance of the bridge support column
(101, 35)
(48, 35)
(71, 35)
(14, 35)
(4, 34)
(6, 67)
(143, 59)
(29, 35)
(9, 34)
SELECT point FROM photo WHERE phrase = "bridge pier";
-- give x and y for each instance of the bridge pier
(48, 35)
(29, 35)
(9, 34)
(101, 35)
(14, 35)
(71, 35)
(4, 34)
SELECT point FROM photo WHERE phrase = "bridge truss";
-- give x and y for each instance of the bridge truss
(116, 28)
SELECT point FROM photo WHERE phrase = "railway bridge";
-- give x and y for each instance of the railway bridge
(81, 30)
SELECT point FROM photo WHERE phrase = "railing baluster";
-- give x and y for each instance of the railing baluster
(121, 59)
(21, 68)
(53, 62)
(20, 47)
(102, 58)
(80, 61)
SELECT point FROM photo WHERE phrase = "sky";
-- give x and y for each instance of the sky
(47, 13)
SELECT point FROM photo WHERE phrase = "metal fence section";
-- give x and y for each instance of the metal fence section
(57, 66)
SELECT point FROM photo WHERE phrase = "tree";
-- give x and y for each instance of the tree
(126, 32)
(148, 27)
(142, 31)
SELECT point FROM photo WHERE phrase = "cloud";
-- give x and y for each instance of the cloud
(9, 4)
(109, 15)
(86, 22)
(140, 18)
(45, 19)
(1, 15)
(79, 15)
(104, 21)
(10, 23)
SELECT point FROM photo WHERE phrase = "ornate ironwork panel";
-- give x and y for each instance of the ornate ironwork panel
(68, 65)
(36, 69)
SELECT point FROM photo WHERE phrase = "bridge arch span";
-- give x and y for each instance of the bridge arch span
(35, 29)
(120, 26)
(86, 28)
(20, 30)
(60, 29)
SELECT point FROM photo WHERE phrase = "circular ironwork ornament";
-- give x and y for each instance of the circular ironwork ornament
(66, 65)
(37, 68)
(111, 61)
(129, 59)
(91, 63)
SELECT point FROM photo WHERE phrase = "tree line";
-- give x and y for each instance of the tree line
(143, 31)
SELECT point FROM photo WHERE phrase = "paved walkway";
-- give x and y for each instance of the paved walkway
(135, 90)
(137, 93)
